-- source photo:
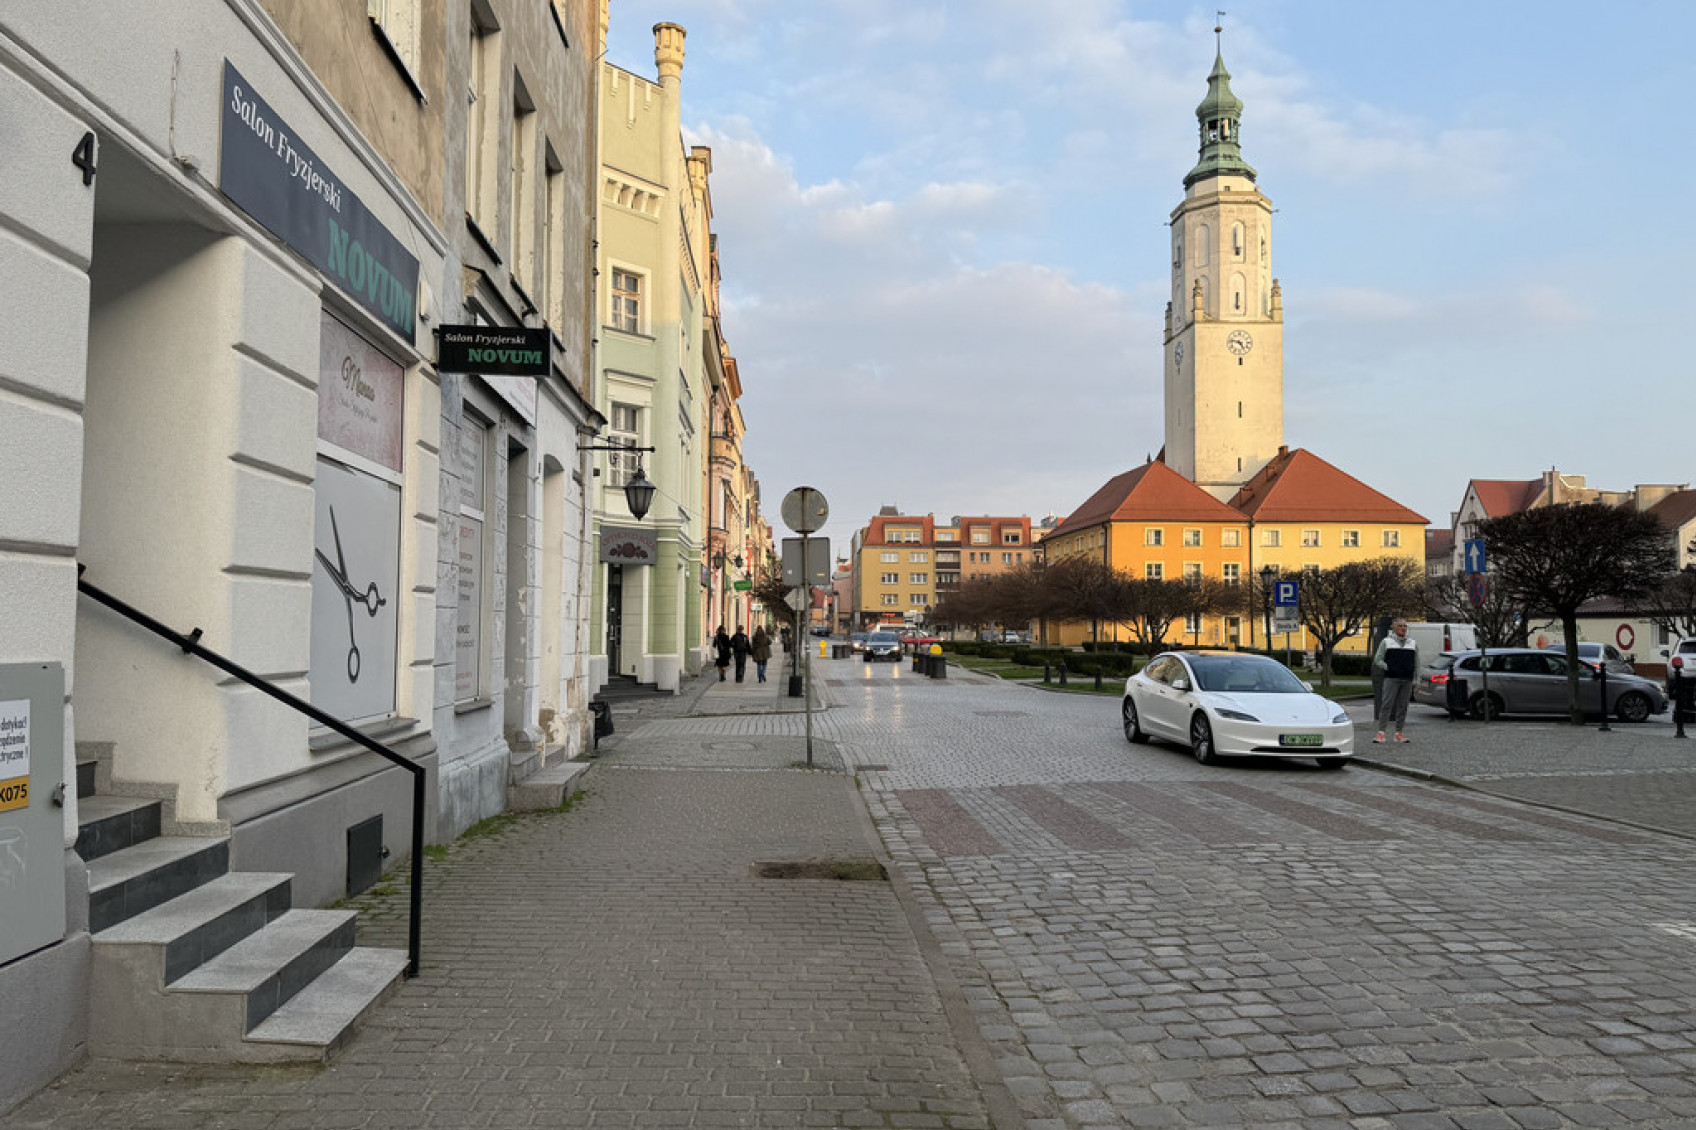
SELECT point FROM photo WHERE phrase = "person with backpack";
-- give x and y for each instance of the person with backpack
(739, 647)
(1397, 660)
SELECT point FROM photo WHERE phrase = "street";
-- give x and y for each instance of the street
(1079, 933)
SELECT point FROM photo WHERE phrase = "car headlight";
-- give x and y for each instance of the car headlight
(1235, 715)
(1340, 718)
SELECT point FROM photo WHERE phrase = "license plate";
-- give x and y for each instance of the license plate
(1301, 739)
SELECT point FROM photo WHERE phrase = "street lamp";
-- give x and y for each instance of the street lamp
(638, 491)
(1267, 572)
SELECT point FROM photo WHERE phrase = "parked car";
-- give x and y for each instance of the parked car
(1231, 703)
(1594, 653)
(1684, 653)
(1523, 680)
(858, 640)
(1432, 686)
(882, 645)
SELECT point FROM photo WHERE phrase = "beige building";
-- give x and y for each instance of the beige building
(902, 564)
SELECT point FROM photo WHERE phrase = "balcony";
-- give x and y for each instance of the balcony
(723, 450)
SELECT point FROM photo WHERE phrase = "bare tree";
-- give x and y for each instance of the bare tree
(1554, 559)
(770, 591)
(1499, 621)
(1671, 604)
(1337, 603)
(1152, 606)
(1080, 588)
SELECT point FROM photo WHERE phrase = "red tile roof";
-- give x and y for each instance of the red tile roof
(1152, 492)
(1675, 509)
(1299, 486)
(1505, 496)
(1440, 543)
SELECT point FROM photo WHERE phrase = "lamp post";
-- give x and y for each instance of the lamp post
(1267, 572)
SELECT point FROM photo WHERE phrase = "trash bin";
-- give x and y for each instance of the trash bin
(938, 667)
(603, 720)
(1456, 698)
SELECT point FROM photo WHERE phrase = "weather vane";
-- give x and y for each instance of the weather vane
(1219, 28)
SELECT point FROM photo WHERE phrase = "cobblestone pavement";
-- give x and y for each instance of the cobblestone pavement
(1146, 942)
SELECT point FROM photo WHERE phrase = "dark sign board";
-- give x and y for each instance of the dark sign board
(493, 351)
(272, 175)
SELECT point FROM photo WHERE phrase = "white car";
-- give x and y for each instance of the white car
(1233, 704)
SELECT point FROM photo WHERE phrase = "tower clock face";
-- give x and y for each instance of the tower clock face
(1240, 342)
(1178, 354)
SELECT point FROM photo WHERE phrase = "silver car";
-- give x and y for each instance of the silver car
(1523, 680)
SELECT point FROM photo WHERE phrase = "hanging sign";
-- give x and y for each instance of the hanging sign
(507, 351)
(629, 545)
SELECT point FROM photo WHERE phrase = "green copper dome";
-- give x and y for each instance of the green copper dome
(1219, 114)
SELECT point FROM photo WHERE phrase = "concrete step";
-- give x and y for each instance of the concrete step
(322, 1016)
(547, 788)
(112, 823)
(85, 778)
(138, 878)
(190, 930)
(267, 968)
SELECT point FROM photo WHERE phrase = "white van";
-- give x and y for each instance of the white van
(1435, 638)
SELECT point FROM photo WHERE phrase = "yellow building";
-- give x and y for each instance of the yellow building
(902, 564)
(1154, 524)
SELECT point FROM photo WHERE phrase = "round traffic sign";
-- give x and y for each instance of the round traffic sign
(805, 510)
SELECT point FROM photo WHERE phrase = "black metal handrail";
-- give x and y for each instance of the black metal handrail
(191, 644)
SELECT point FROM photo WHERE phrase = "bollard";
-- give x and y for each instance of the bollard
(1047, 673)
(824, 647)
(1098, 678)
(1062, 672)
(1681, 694)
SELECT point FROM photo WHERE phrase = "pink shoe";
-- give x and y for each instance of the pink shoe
(1379, 740)
(1402, 738)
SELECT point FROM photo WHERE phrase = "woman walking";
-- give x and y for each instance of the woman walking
(721, 652)
(761, 651)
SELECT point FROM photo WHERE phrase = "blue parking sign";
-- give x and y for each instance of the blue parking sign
(1284, 594)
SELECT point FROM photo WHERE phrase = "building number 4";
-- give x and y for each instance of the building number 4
(83, 157)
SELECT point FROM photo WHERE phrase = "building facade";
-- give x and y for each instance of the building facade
(900, 565)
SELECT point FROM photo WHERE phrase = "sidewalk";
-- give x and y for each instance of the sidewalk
(621, 963)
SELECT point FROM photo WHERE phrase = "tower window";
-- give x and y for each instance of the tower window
(1239, 409)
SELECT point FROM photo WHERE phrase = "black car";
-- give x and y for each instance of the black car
(883, 645)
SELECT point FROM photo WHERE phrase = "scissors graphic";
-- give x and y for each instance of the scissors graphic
(370, 600)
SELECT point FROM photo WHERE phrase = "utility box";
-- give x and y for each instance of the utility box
(32, 813)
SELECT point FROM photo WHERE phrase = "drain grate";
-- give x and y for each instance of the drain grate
(885, 768)
(1001, 713)
(839, 870)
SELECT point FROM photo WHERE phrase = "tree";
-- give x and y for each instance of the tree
(770, 591)
(1337, 603)
(1554, 559)
(1670, 604)
(1080, 588)
(1152, 606)
(1500, 622)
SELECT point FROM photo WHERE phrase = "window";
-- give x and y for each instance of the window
(623, 430)
(889, 558)
(626, 301)
(1392, 539)
(1271, 538)
(892, 598)
(1192, 624)
(1011, 537)
(948, 535)
(1232, 572)
(1154, 535)
(1230, 539)
(470, 637)
(919, 557)
(1192, 538)
(1006, 558)
(1310, 570)
(1310, 539)
(1192, 570)
(550, 295)
(918, 578)
(522, 204)
(919, 600)
(980, 537)
(1154, 571)
(1351, 539)
(890, 579)
(480, 132)
(397, 22)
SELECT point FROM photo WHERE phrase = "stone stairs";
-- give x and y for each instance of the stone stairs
(192, 962)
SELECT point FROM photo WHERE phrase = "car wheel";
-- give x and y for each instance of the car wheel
(1633, 706)
(1331, 762)
(1485, 707)
(1201, 740)
(1133, 724)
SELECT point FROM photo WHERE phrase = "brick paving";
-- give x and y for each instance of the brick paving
(1080, 934)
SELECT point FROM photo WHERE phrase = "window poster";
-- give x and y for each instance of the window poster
(468, 630)
(356, 527)
(355, 582)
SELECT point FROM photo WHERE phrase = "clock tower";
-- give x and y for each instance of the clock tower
(1225, 323)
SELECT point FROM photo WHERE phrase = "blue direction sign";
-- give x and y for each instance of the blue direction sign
(1474, 555)
(1284, 594)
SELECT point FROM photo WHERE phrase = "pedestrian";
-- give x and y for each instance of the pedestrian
(739, 647)
(785, 636)
(761, 651)
(721, 651)
(1396, 659)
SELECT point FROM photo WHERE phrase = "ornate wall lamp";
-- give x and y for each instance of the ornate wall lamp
(638, 491)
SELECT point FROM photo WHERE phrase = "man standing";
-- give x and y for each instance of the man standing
(1396, 660)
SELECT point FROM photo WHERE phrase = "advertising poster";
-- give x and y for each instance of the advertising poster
(355, 582)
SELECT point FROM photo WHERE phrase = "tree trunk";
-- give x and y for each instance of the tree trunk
(1569, 625)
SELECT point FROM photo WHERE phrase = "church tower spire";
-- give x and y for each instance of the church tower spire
(1224, 386)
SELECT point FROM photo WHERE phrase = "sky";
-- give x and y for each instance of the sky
(942, 227)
